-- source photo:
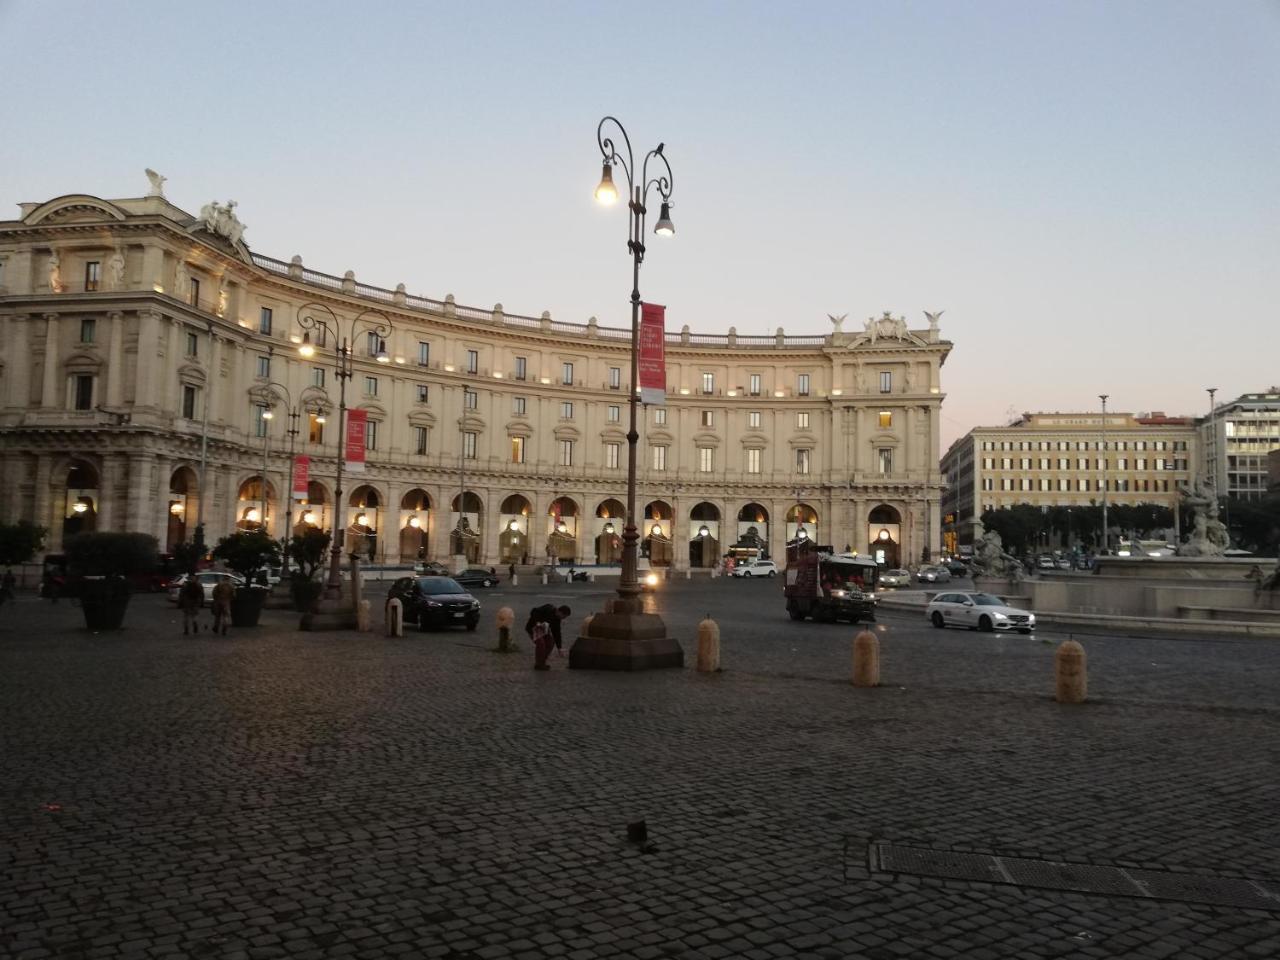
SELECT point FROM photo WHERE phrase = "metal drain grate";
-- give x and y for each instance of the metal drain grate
(1102, 879)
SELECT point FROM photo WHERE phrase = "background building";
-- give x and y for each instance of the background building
(1060, 459)
(1236, 438)
(134, 333)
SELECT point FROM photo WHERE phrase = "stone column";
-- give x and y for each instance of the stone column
(160, 501)
(15, 334)
(139, 496)
(111, 484)
(115, 361)
(213, 389)
(147, 357)
(42, 498)
(51, 393)
(489, 520)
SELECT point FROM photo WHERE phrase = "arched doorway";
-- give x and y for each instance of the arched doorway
(802, 522)
(513, 540)
(884, 535)
(81, 500)
(753, 533)
(657, 530)
(314, 511)
(253, 505)
(415, 525)
(465, 530)
(704, 526)
(363, 521)
(611, 520)
(562, 530)
(183, 499)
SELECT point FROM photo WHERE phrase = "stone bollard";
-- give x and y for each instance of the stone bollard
(515, 579)
(1070, 673)
(544, 579)
(708, 646)
(395, 618)
(505, 618)
(362, 617)
(688, 574)
(866, 660)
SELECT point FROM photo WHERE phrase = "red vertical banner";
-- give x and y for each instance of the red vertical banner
(652, 361)
(357, 423)
(301, 476)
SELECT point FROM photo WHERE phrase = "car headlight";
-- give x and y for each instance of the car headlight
(475, 604)
(839, 593)
(433, 603)
(651, 579)
(1000, 616)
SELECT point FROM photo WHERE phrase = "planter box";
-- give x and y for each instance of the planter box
(246, 606)
(104, 601)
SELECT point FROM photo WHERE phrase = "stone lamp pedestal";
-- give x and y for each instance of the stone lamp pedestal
(625, 637)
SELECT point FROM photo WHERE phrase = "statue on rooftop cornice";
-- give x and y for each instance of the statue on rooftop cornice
(157, 183)
(886, 327)
(837, 322)
(221, 221)
(933, 319)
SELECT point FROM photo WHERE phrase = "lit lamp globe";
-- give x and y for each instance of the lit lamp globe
(415, 522)
(514, 526)
(306, 348)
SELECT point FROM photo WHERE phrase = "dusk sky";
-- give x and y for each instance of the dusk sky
(1090, 190)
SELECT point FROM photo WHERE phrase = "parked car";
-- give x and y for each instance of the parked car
(1063, 563)
(431, 568)
(208, 580)
(895, 578)
(978, 611)
(933, 575)
(476, 577)
(1046, 562)
(435, 602)
(756, 568)
(957, 567)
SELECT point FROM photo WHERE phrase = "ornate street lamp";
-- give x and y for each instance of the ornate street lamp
(624, 636)
(294, 416)
(379, 324)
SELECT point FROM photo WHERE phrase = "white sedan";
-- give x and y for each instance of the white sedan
(208, 580)
(978, 611)
(757, 568)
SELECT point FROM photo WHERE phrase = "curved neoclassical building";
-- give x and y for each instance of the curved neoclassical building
(135, 336)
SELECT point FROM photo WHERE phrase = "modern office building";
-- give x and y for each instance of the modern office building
(1237, 438)
(1063, 459)
(151, 378)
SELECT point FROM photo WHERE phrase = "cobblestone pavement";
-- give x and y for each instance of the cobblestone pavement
(278, 794)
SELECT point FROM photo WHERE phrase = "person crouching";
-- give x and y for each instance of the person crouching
(543, 628)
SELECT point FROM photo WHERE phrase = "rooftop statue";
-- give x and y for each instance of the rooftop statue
(157, 183)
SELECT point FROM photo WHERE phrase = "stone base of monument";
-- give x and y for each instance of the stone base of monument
(624, 637)
(330, 616)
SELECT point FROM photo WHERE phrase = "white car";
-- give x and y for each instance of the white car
(933, 575)
(208, 580)
(895, 578)
(977, 611)
(757, 568)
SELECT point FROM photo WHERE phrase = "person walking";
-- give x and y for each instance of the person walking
(543, 628)
(190, 600)
(223, 591)
(6, 587)
(512, 571)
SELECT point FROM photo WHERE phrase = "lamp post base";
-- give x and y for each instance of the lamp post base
(624, 637)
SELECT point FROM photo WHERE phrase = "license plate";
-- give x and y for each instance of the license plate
(457, 615)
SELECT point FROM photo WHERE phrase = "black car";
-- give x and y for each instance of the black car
(957, 567)
(436, 602)
(476, 577)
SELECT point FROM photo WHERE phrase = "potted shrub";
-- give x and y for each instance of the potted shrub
(247, 552)
(103, 564)
(309, 551)
(19, 543)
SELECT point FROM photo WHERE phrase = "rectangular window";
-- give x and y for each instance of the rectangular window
(188, 402)
(317, 377)
(706, 459)
(374, 344)
(753, 418)
(1044, 463)
(615, 413)
(1006, 463)
(264, 367)
(424, 393)
(754, 389)
(802, 421)
(315, 428)
(518, 406)
(660, 417)
(92, 274)
(517, 449)
(566, 410)
(420, 441)
(259, 421)
(1122, 463)
(469, 398)
(615, 378)
(753, 459)
(1141, 463)
(988, 463)
(87, 329)
(566, 453)
(371, 435)
(469, 445)
(193, 345)
(195, 292)
(886, 381)
(611, 453)
(1064, 463)
(264, 321)
(802, 384)
(1045, 484)
(885, 459)
(708, 383)
(658, 458)
(566, 374)
(522, 368)
(424, 353)
(1024, 463)
(708, 418)
(473, 361)
(82, 392)
(886, 418)
(802, 460)
(371, 386)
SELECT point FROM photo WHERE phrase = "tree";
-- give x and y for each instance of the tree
(20, 542)
(308, 550)
(247, 551)
(1255, 524)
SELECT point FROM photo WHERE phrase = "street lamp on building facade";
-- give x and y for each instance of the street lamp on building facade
(624, 636)
(294, 416)
(379, 324)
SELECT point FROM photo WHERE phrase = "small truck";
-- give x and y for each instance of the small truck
(829, 586)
